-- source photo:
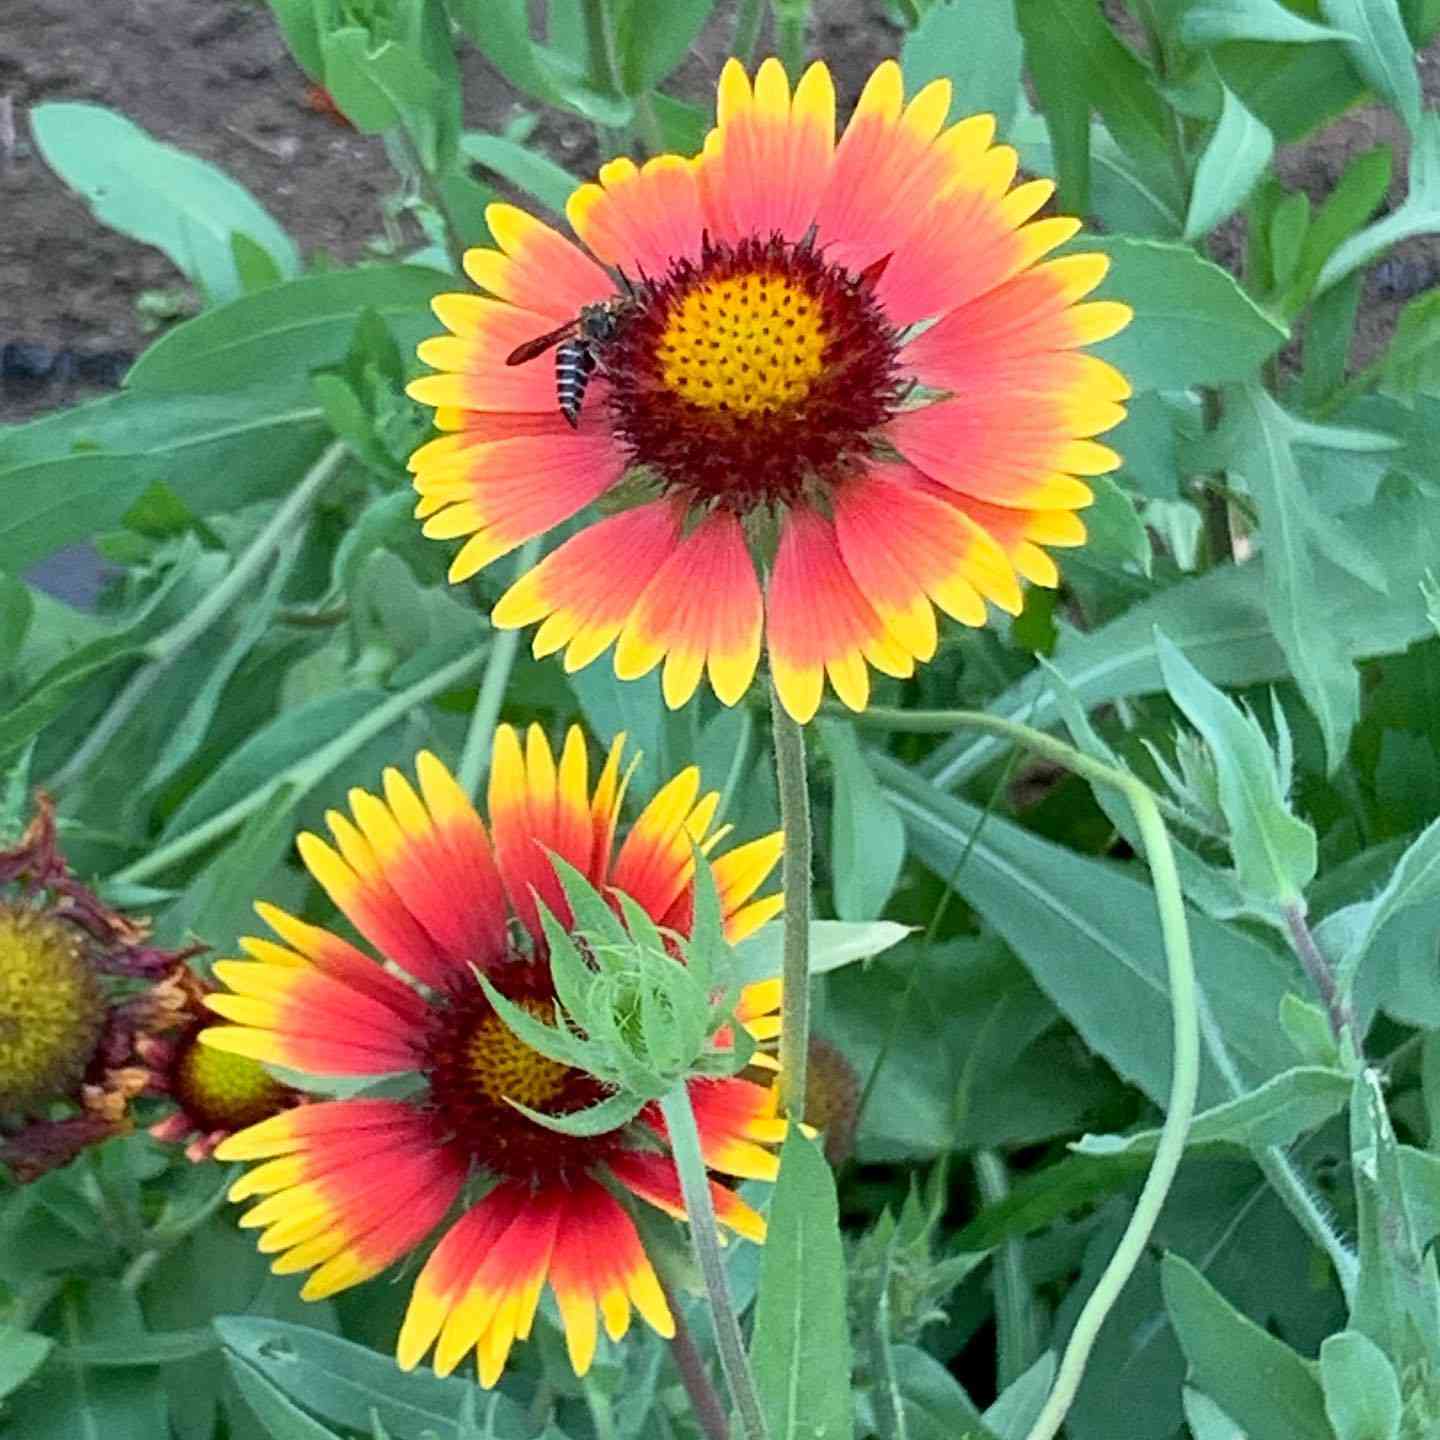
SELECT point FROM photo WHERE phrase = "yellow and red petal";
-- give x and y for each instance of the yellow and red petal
(1037, 311)
(505, 492)
(536, 267)
(605, 806)
(890, 162)
(702, 609)
(585, 591)
(641, 219)
(766, 163)
(357, 1186)
(294, 1015)
(656, 861)
(1001, 454)
(396, 882)
(655, 1180)
(538, 809)
(905, 545)
(472, 359)
(818, 623)
(600, 1265)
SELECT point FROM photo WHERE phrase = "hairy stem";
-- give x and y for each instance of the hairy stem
(475, 757)
(1321, 975)
(695, 1183)
(705, 1402)
(795, 881)
(165, 649)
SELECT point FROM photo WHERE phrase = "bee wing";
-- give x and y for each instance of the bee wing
(541, 343)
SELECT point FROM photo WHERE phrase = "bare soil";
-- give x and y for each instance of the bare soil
(214, 78)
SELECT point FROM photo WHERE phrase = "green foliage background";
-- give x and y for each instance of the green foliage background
(1252, 631)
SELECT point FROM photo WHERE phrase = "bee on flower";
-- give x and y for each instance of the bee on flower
(466, 925)
(842, 386)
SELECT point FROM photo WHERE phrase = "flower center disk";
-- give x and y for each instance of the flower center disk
(753, 374)
(220, 1090)
(475, 1066)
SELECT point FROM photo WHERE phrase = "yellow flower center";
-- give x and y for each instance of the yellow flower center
(221, 1091)
(505, 1068)
(51, 1009)
(744, 343)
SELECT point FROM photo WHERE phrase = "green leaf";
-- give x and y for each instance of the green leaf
(977, 46)
(22, 1353)
(1213, 22)
(292, 329)
(651, 40)
(1017, 1409)
(1398, 1293)
(1272, 1393)
(1114, 531)
(833, 943)
(1261, 436)
(800, 1349)
(1077, 61)
(344, 1383)
(1057, 909)
(282, 1418)
(1207, 1421)
(300, 25)
(1413, 360)
(17, 608)
(1193, 323)
(254, 266)
(1221, 623)
(158, 194)
(69, 1401)
(1419, 215)
(1284, 1107)
(1380, 51)
(867, 840)
(1237, 154)
(1362, 1392)
(934, 1403)
(163, 1347)
(1348, 206)
(1414, 881)
(606, 1115)
(1274, 849)
(530, 170)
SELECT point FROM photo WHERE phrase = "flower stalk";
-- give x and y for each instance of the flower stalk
(705, 1236)
(795, 880)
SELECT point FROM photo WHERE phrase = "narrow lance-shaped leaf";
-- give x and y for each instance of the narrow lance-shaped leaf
(801, 1346)
(1380, 51)
(1213, 22)
(1235, 157)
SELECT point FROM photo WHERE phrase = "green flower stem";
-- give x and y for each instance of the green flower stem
(1185, 1010)
(475, 758)
(165, 649)
(747, 31)
(302, 776)
(795, 881)
(695, 1184)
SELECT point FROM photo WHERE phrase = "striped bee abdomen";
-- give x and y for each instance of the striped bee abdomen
(575, 362)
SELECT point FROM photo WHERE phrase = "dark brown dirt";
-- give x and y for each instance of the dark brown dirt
(213, 77)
